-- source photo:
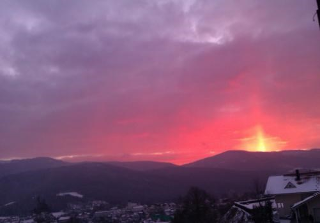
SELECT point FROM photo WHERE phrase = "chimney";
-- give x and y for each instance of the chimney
(298, 175)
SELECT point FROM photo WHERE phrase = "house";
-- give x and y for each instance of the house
(246, 211)
(296, 195)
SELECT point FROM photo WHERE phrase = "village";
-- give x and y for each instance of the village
(100, 211)
(289, 198)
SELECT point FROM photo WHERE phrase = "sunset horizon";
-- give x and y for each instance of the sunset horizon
(170, 81)
(125, 158)
(170, 111)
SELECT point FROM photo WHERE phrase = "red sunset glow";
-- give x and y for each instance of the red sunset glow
(171, 81)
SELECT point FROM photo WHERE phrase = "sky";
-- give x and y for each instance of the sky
(162, 80)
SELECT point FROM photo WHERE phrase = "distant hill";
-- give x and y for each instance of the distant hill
(280, 162)
(146, 182)
(93, 180)
(24, 165)
(99, 181)
(116, 184)
(142, 165)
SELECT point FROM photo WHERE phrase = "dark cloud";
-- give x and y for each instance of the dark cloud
(144, 77)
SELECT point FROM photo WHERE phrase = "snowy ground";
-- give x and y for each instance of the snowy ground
(74, 194)
(11, 203)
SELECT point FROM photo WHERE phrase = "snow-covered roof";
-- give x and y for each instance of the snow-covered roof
(64, 218)
(28, 221)
(251, 204)
(287, 184)
(58, 214)
(305, 200)
(73, 194)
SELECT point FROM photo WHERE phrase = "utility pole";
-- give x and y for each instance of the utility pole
(318, 12)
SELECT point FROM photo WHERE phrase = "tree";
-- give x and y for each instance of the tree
(263, 213)
(41, 206)
(257, 186)
(197, 207)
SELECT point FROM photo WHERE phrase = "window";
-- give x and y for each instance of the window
(280, 205)
(290, 185)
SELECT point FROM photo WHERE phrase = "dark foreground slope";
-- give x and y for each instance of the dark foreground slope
(116, 185)
(93, 180)
(145, 182)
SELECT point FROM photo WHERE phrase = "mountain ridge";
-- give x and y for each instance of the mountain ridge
(245, 160)
(147, 181)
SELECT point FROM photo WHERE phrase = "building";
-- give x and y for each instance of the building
(296, 195)
(247, 211)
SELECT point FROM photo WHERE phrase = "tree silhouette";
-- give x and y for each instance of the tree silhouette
(197, 207)
(41, 206)
(263, 213)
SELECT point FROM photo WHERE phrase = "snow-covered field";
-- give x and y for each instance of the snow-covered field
(11, 203)
(74, 194)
